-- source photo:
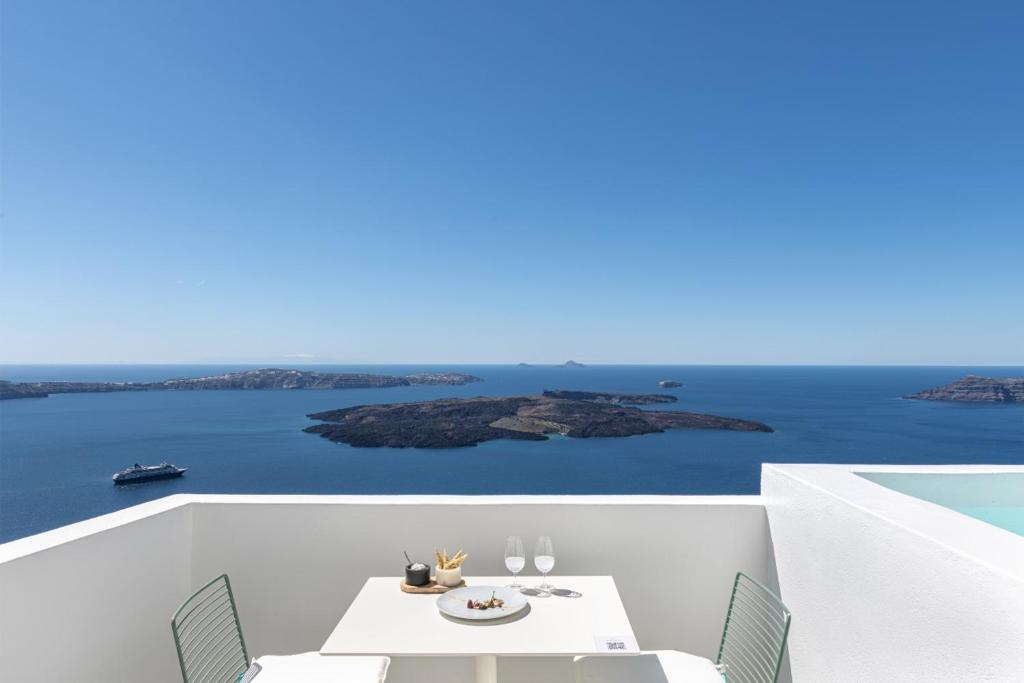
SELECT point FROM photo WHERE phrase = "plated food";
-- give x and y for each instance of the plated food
(479, 603)
(491, 603)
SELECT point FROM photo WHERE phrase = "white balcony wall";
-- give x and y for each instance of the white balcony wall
(297, 565)
(92, 602)
(886, 587)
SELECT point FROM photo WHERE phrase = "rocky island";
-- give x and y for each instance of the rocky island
(262, 379)
(603, 397)
(10, 390)
(972, 388)
(451, 423)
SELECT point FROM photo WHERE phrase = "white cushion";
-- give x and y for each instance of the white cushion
(660, 666)
(312, 667)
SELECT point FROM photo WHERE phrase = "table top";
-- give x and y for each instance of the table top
(382, 620)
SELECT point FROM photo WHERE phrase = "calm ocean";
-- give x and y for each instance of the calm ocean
(57, 454)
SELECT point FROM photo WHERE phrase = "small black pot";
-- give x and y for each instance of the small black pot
(417, 577)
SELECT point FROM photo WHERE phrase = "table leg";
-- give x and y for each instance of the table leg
(486, 669)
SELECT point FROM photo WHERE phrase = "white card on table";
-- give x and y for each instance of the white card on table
(615, 644)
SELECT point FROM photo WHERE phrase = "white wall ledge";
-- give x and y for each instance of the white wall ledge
(886, 586)
(48, 539)
(992, 547)
(23, 547)
(416, 499)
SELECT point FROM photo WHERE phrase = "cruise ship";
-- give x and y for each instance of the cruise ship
(137, 473)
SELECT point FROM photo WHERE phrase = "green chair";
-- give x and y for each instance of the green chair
(751, 649)
(211, 648)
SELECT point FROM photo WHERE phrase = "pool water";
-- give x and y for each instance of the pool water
(993, 497)
(1009, 517)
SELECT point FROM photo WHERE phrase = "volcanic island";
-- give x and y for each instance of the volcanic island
(459, 422)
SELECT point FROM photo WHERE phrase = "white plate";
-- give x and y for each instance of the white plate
(453, 603)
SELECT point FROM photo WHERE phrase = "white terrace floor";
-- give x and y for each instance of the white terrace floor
(883, 586)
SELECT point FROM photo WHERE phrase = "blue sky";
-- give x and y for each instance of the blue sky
(677, 182)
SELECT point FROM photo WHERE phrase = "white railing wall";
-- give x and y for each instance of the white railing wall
(92, 601)
(296, 566)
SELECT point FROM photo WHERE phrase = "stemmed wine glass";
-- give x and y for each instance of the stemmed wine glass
(544, 560)
(515, 558)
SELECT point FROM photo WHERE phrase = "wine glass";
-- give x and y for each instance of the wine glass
(544, 560)
(515, 558)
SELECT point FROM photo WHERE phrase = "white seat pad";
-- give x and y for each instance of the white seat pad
(659, 666)
(312, 667)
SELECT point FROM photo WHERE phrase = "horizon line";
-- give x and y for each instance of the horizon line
(269, 364)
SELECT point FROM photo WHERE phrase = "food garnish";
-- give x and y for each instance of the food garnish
(492, 603)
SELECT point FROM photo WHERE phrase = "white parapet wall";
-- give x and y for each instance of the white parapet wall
(887, 587)
(92, 601)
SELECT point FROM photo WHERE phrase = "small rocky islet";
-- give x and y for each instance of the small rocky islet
(976, 389)
(453, 422)
(250, 380)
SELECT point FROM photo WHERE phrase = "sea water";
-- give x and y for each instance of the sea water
(57, 454)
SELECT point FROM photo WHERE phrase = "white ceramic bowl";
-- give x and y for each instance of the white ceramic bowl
(448, 577)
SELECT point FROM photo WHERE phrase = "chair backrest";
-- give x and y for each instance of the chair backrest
(208, 636)
(754, 638)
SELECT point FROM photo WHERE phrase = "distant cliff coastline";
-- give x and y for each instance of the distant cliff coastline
(604, 397)
(972, 388)
(451, 423)
(10, 390)
(262, 379)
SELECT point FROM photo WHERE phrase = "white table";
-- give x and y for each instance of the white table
(383, 620)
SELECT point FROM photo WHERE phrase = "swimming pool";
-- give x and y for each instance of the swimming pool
(993, 497)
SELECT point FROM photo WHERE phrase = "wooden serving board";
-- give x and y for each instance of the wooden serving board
(432, 587)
